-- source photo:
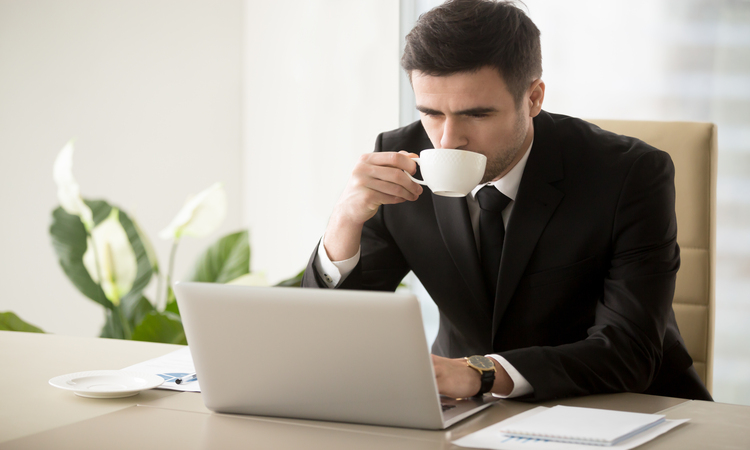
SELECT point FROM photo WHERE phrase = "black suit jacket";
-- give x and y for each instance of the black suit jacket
(584, 296)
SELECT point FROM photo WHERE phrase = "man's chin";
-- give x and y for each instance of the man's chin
(499, 167)
(487, 178)
(492, 174)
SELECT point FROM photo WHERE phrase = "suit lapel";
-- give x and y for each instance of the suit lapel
(455, 227)
(535, 203)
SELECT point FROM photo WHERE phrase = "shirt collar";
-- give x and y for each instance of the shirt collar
(509, 183)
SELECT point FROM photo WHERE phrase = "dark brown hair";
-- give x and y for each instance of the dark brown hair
(468, 35)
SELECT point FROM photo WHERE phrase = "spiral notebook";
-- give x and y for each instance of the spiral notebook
(582, 425)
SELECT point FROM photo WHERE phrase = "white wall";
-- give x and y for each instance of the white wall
(321, 81)
(151, 91)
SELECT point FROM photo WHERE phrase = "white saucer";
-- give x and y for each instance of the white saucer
(106, 383)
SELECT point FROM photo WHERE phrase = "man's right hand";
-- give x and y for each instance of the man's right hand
(377, 179)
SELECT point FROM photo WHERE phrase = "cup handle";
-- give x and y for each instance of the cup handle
(416, 160)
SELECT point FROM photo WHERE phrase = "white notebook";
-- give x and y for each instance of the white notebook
(582, 425)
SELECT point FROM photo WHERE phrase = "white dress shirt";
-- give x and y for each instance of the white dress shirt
(334, 272)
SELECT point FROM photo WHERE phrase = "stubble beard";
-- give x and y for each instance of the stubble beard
(502, 159)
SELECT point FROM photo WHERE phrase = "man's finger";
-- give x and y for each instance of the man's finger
(390, 159)
(401, 184)
(409, 154)
(391, 189)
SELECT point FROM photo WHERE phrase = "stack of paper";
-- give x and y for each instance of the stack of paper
(570, 428)
(582, 425)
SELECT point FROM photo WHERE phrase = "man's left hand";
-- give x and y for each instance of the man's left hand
(456, 379)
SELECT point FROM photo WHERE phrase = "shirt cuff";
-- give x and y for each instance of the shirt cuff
(334, 272)
(520, 385)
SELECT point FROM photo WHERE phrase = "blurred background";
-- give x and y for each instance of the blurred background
(278, 100)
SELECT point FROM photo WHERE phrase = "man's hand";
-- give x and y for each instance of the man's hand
(456, 379)
(377, 179)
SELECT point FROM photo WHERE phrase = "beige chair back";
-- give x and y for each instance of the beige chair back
(693, 149)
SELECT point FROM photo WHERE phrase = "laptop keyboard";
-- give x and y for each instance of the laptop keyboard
(446, 406)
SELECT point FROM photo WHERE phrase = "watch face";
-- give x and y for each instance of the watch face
(481, 362)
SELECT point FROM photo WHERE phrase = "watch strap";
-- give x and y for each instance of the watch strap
(486, 368)
(488, 379)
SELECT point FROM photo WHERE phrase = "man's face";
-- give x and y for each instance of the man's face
(474, 111)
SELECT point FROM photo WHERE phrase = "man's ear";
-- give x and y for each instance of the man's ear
(536, 97)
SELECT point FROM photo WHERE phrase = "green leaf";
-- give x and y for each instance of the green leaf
(135, 309)
(163, 327)
(109, 330)
(116, 326)
(295, 281)
(172, 302)
(100, 209)
(145, 268)
(150, 252)
(225, 260)
(69, 241)
(11, 322)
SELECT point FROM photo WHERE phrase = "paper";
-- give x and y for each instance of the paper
(492, 438)
(171, 366)
(583, 425)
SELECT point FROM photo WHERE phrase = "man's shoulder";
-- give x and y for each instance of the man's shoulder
(574, 133)
(586, 151)
(411, 138)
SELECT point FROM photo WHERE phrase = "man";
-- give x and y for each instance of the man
(582, 232)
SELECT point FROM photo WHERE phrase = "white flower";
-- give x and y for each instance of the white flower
(201, 215)
(112, 251)
(67, 189)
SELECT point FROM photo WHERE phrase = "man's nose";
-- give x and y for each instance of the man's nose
(453, 134)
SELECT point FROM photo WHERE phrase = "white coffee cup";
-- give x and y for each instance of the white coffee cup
(450, 172)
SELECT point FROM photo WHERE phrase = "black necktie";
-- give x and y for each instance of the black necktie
(491, 234)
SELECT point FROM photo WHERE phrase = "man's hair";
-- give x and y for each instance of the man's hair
(468, 35)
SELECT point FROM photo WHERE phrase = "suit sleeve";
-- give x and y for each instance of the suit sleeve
(624, 348)
(381, 266)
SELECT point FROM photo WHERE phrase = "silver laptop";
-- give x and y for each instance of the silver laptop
(335, 355)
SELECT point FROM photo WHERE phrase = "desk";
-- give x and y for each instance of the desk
(34, 414)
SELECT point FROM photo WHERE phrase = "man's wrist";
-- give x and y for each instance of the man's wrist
(333, 272)
(342, 238)
(486, 369)
(519, 385)
(503, 382)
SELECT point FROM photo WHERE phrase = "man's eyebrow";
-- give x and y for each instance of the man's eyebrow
(463, 112)
(476, 111)
(426, 110)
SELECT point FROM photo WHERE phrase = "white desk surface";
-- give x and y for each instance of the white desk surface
(34, 414)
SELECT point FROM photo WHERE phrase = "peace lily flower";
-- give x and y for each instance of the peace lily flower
(68, 191)
(119, 267)
(201, 215)
(110, 259)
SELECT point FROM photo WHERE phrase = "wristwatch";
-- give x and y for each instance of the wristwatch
(486, 369)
